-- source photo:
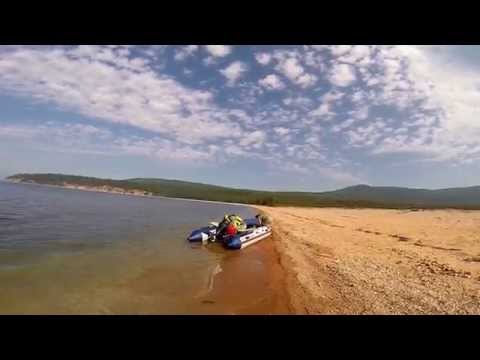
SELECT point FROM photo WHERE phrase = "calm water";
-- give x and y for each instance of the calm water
(66, 251)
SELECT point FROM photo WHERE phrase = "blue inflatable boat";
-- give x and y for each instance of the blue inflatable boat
(254, 233)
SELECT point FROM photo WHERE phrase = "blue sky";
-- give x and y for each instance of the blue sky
(310, 117)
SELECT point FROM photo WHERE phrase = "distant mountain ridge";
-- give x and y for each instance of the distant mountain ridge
(466, 196)
(353, 196)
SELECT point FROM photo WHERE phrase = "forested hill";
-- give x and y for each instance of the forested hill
(355, 196)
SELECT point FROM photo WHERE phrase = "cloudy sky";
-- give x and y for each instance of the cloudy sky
(268, 117)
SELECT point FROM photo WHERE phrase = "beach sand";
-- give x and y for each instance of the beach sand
(376, 261)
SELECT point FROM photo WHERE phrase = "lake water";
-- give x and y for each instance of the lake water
(75, 252)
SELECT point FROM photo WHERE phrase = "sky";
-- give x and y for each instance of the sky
(304, 117)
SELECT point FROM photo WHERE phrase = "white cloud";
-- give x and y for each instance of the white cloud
(109, 87)
(254, 139)
(364, 136)
(234, 71)
(99, 54)
(339, 50)
(342, 75)
(323, 111)
(315, 60)
(240, 115)
(263, 58)
(448, 85)
(281, 131)
(234, 150)
(358, 55)
(291, 68)
(298, 102)
(328, 100)
(307, 80)
(358, 96)
(185, 52)
(360, 113)
(437, 98)
(88, 139)
(219, 50)
(272, 82)
(346, 124)
(332, 96)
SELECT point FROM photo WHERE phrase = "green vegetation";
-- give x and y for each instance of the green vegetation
(360, 196)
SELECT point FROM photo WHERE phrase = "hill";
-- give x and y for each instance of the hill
(354, 196)
(453, 197)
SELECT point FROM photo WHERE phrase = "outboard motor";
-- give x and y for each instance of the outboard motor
(204, 234)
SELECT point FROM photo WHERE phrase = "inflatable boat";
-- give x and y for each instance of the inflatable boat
(254, 233)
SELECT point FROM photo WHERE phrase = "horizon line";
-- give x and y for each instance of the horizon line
(247, 189)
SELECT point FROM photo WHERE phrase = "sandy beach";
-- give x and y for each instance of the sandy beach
(252, 282)
(375, 261)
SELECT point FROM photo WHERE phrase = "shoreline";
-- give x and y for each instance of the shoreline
(282, 268)
(291, 288)
(121, 193)
(251, 282)
(377, 261)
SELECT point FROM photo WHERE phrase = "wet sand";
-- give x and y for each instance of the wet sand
(251, 282)
(375, 261)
